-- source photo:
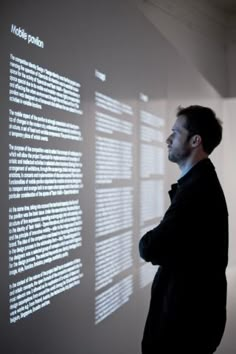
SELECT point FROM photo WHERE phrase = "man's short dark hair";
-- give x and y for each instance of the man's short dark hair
(203, 121)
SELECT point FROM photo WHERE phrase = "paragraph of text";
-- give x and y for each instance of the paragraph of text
(35, 86)
(40, 234)
(33, 293)
(38, 172)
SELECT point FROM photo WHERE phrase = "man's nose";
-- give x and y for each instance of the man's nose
(168, 139)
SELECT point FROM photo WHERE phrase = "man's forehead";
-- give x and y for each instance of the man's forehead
(180, 123)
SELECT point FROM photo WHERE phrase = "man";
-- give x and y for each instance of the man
(187, 312)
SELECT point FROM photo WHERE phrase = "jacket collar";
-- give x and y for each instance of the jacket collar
(173, 190)
(198, 169)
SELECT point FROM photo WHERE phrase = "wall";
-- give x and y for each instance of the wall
(197, 31)
(231, 55)
(142, 75)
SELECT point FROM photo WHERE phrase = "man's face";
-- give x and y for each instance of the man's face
(179, 147)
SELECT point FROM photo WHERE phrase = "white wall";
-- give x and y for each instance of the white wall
(229, 109)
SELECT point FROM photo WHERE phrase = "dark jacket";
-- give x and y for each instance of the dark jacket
(188, 299)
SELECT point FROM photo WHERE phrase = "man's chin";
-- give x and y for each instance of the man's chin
(171, 158)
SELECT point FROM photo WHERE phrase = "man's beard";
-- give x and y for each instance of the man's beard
(179, 157)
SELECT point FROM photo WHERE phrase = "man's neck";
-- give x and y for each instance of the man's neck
(186, 165)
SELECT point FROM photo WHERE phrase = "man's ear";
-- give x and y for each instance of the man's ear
(196, 140)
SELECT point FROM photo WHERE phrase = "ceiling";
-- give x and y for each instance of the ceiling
(228, 6)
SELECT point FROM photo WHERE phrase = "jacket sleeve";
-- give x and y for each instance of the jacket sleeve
(175, 239)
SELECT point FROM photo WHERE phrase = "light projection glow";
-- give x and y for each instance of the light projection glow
(113, 256)
(40, 234)
(35, 86)
(152, 169)
(112, 299)
(114, 205)
(38, 172)
(34, 127)
(113, 159)
(43, 236)
(114, 210)
(108, 124)
(82, 173)
(112, 105)
(34, 293)
(152, 196)
(152, 158)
